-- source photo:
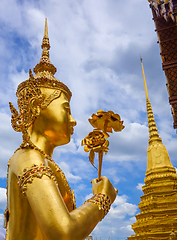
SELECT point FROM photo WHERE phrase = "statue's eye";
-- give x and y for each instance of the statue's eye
(68, 110)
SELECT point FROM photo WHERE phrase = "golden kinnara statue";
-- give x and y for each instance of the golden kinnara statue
(40, 204)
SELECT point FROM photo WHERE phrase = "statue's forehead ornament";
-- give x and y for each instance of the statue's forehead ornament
(31, 89)
(43, 82)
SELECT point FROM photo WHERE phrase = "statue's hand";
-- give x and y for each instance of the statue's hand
(104, 186)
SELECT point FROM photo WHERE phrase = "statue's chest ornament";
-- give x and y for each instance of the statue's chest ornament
(53, 172)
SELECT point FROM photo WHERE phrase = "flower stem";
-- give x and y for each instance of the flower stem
(105, 125)
(100, 164)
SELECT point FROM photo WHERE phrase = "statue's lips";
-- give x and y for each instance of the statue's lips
(72, 131)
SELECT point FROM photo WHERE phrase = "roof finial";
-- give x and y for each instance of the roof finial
(157, 155)
(145, 86)
(153, 132)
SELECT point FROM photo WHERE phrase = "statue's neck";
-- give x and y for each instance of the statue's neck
(41, 141)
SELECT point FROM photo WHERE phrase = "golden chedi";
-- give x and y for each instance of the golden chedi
(158, 205)
(40, 204)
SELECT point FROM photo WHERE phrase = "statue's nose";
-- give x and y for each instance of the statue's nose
(73, 121)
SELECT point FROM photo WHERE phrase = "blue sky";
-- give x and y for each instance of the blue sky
(96, 47)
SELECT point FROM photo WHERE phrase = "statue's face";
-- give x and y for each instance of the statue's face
(57, 122)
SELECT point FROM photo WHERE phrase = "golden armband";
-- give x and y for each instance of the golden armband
(34, 172)
(102, 201)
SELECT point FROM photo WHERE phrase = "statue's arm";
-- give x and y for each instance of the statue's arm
(44, 197)
(52, 215)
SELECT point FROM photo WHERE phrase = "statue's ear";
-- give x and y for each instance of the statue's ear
(34, 105)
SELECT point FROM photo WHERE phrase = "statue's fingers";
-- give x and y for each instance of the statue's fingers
(116, 190)
(94, 180)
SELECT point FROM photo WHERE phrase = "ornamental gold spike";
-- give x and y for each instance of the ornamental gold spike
(46, 29)
(45, 40)
(153, 132)
(44, 63)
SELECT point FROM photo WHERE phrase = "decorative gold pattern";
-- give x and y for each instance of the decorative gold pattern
(153, 132)
(162, 8)
(31, 92)
(158, 206)
(102, 201)
(29, 144)
(52, 97)
(42, 80)
(34, 172)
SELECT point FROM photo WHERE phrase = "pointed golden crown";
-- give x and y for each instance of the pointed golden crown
(29, 90)
(45, 71)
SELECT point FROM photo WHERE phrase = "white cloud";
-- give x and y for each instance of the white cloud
(127, 228)
(2, 233)
(3, 198)
(18, 77)
(121, 208)
(9, 142)
(88, 196)
(119, 219)
(1, 222)
(71, 147)
(66, 169)
(130, 144)
(139, 186)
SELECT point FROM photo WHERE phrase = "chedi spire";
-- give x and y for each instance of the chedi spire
(157, 155)
(153, 132)
(158, 204)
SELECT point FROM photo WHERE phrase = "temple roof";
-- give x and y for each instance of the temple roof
(165, 18)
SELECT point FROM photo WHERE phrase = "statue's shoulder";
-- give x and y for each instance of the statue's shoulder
(24, 159)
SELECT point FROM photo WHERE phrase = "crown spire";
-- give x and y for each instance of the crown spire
(153, 132)
(45, 42)
(46, 29)
(44, 63)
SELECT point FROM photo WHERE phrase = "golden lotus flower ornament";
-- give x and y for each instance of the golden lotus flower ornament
(106, 121)
(96, 142)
